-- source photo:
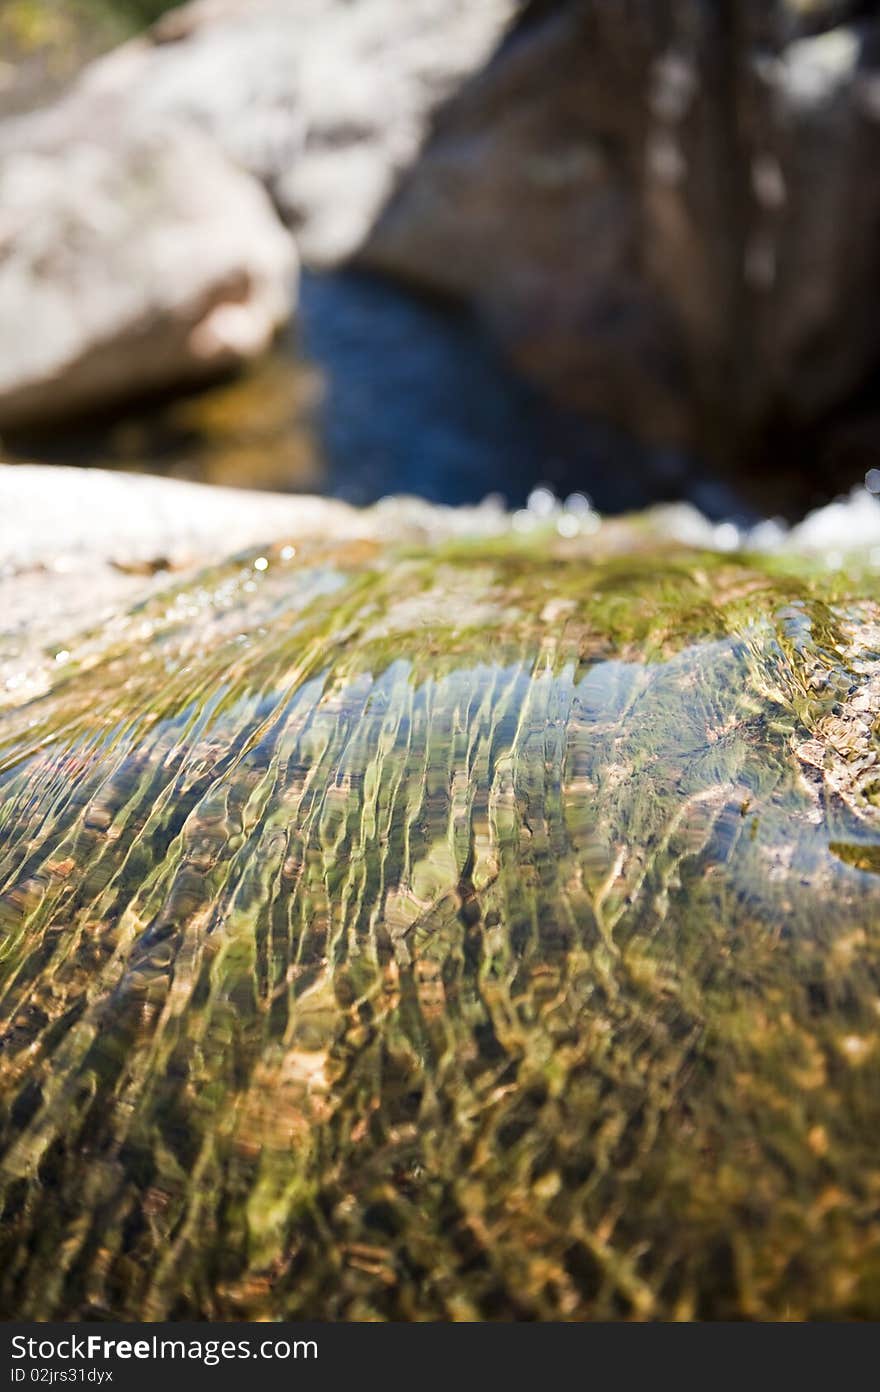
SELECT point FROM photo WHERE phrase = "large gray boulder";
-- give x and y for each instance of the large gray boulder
(668, 214)
(130, 259)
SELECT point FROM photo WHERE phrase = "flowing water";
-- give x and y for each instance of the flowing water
(489, 932)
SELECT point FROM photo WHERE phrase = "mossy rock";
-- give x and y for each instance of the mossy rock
(483, 932)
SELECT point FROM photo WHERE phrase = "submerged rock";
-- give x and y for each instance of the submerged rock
(136, 260)
(462, 932)
(668, 216)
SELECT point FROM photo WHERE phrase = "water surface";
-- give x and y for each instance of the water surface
(489, 932)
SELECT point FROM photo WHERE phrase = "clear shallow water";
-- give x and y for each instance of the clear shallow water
(478, 933)
(374, 392)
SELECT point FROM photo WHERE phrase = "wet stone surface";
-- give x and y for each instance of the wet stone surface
(463, 933)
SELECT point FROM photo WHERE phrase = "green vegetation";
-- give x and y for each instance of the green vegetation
(136, 12)
(36, 23)
(44, 42)
(33, 25)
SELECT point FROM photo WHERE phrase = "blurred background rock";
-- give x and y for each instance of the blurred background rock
(629, 250)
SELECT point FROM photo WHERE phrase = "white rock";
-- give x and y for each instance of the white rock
(129, 260)
(324, 101)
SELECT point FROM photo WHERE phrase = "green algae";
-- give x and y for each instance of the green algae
(488, 932)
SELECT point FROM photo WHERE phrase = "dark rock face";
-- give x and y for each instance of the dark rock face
(667, 212)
